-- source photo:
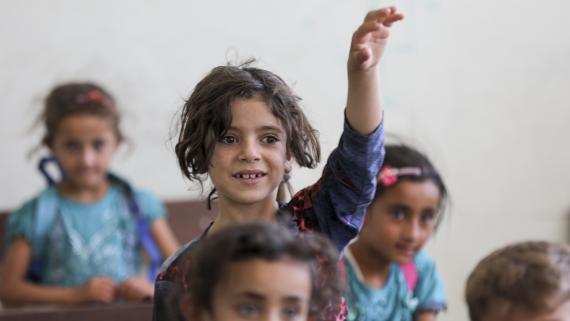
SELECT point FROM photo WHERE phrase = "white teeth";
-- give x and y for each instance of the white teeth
(249, 176)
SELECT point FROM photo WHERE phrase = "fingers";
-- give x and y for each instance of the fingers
(105, 289)
(392, 18)
(375, 24)
(101, 289)
(386, 16)
(389, 14)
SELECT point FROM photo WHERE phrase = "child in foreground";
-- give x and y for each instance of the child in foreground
(526, 281)
(389, 277)
(80, 239)
(243, 128)
(260, 271)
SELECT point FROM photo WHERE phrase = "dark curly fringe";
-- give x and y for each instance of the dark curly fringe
(206, 116)
(210, 260)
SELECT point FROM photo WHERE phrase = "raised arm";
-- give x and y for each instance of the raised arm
(364, 109)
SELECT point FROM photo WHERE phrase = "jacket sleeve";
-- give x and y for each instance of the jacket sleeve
(348, 184)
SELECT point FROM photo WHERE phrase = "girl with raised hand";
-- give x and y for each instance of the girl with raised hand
(243, 128)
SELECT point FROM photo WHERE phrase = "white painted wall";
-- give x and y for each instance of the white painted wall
(483, 86)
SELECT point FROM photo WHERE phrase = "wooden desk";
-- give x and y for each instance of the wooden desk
(111, 312)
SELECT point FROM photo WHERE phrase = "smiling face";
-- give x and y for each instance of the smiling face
(262, 290)
(401, 220)
(83, 145)
(249, 161)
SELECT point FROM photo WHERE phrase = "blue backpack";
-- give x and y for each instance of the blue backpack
(46, 213)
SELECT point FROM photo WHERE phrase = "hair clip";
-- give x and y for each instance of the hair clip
(97, 97)
(389, 175)
(94, 96)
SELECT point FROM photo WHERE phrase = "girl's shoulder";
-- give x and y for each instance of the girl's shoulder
(23, 220)
(147, 201)
(30, 206)
(300, 209)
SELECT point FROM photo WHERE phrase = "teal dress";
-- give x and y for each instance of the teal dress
(394, 301)
(84, 240)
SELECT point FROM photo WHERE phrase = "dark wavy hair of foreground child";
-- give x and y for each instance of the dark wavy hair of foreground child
(211, 260)
(206, 116)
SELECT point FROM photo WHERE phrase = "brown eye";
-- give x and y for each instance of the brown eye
(99, 144)
(428, 217)
(247, 310)
(228, 139)
(72, 146)
(270, 139)
(291, 313)
(397, 213)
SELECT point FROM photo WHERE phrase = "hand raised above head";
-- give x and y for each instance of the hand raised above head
(369, 40)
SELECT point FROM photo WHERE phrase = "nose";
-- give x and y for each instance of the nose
(412, 231)
(272, 315)
(249, 151)
(88, 156)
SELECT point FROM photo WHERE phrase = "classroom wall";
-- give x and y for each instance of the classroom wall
(482, 86)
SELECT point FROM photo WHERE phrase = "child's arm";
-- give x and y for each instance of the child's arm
(364, 110)
(135, 289)
(15, 289)
(426, 316)
(164, 237)
(140, 289)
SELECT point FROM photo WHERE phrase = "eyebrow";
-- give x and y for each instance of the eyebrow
(252, 295)
(292, 299)
(259, 297)
(262, 129)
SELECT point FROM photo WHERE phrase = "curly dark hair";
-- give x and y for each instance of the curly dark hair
(206, 116)
(77, 98)
(531, 275)
(210, 260)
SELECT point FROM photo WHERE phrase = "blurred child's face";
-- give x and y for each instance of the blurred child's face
(84, 145)
(262, 290)
(497, 313)
(400, 221)
(249, 162)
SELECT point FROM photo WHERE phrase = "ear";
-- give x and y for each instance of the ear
(288, 165)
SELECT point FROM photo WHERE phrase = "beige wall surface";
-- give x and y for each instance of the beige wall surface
(482, 86)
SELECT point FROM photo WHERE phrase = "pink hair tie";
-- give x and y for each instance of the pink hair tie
(389, 175)
(97, 97)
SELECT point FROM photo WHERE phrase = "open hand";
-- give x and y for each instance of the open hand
(369, 40)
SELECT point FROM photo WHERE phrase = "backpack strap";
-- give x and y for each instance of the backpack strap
(46, 209)
(410, 272)
(144, 235)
